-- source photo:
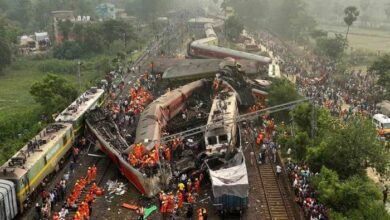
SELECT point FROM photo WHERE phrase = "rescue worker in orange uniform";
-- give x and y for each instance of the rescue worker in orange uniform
(260, 137)
(190, 198)
(171, 204)
(55, 216)
(199, 213)
(77, 216)
(94, 172)
(89, 197)
(85, 208)
(164, 207)
(81, 211)
(154, 155)
(94, 188)
(133, 160)
(138, 151)
(82, 182)
(197, 185)
(89, 175)
(381, 132)
(145, 160)
(167, 153)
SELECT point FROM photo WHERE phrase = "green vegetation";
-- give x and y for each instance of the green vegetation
(372, 40)
(280, 92)
(101, 46)
(351, 15)
(289, 19)
(381, 67)
(341, 152)
(233, 27)
(331, 47)
(54, 93)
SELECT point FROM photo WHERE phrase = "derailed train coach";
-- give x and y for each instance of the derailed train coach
(37, 160)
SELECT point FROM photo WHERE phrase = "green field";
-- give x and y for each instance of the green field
(360, 38)
(16, 81)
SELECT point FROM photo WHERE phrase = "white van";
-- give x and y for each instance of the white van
(382, 121)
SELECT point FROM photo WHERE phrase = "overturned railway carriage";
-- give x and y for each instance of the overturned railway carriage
(112, 144)
(152, 120)
(160, 111)
(208, 48)
(37, 159)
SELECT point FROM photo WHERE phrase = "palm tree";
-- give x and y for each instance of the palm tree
(351, 14)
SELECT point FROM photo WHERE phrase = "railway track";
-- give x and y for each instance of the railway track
(267, 188)
(102, 165)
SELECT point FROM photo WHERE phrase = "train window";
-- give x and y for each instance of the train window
(212, 140)
(223, 138)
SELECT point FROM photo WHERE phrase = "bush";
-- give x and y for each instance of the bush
(69, 50)
(23, 124)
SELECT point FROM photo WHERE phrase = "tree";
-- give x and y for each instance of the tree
(354, 198)
(69, 50)
(280, 92)
(65, 28)
(53, 93)
(233, 27)
(21, 11)
(251, 12)
(331, 47)
(291, 20)
(112, 30)
(381, 67)
(350, 150)
(351, 15)
(8, 36)
(5, 54)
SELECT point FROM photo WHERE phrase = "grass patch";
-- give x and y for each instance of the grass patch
(362, 38)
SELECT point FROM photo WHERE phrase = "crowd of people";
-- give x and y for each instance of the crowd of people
(184, 200)
(305, 196)
(347, 93)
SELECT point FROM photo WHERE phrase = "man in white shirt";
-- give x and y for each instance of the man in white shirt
(278, 170)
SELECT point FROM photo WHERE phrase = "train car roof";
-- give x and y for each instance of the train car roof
(50, 135)
(223, 110)
(241, 54)
(202, 69)
(205, 41)
(202, 20)
(83, 103)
